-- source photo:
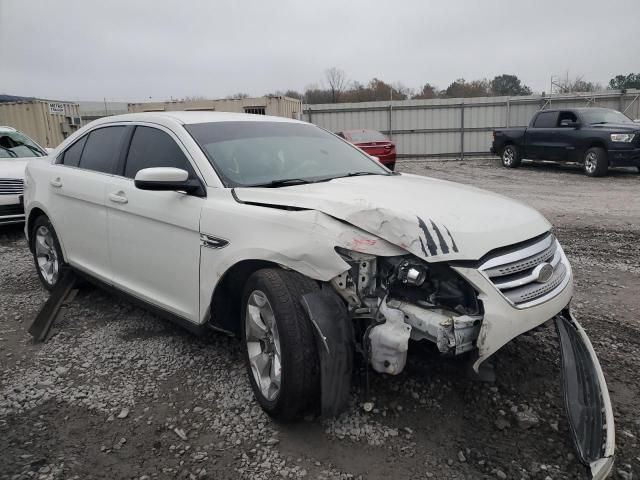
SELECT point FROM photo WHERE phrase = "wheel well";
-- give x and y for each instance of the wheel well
(506, 144)
(227, 297)
(596, 144)
(33, 216)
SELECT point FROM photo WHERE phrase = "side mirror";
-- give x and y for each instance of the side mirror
(166, 178)
(569, 124)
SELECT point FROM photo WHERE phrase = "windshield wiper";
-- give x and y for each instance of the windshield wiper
(359, 174)
(34, 149)
(11, 152)
(283, 182)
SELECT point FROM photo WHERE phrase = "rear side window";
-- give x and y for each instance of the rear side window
(101, 149)
(71, 156)
(546, 120)
(151, 147)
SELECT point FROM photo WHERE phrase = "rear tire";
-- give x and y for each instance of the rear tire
(280, 347)
(510, 156)
(47, 254)
(595, 162)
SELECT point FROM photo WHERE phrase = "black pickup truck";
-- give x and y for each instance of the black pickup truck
(597, 138)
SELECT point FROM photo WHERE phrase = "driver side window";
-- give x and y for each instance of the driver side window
(570, 116)
(151, 147)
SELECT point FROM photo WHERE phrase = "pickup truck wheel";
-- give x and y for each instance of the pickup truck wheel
(595, 162)
(510, 156)
(47, 254)
(280, 350)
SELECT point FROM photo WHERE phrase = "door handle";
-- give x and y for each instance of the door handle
(118, 197)
(56, 182)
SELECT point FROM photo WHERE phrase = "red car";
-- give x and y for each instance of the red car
(374, 143)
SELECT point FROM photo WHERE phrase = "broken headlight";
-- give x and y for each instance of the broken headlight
(410, 279)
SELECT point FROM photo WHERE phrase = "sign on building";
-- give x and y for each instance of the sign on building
(56, 108)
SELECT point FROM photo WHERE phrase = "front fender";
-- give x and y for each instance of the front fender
(302, 241)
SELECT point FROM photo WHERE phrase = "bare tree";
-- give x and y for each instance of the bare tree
(191, 98)
(337, 81)
(577, 84)
(238, 96)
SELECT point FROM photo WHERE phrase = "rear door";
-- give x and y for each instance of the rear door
(541, 138)
(154, 237)
(78, 183)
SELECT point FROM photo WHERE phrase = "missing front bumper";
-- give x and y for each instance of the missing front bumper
(586, 397)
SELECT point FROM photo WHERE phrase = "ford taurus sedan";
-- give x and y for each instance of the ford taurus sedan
(309, 250)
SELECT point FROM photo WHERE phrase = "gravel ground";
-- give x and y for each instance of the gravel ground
(118, 393)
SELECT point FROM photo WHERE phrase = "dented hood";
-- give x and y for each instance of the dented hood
(433, 219)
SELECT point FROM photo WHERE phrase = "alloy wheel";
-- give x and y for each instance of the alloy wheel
(507, 156)
(263, 345)
(46, 255)
(591, 162)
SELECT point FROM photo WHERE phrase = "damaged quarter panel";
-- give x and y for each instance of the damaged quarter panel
(298, 239)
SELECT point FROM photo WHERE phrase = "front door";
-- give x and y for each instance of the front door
(542, 138)
(154, 236)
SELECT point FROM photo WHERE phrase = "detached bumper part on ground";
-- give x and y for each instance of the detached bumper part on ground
(586, 398)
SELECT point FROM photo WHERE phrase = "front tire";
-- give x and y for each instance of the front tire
(595, 162)
(47, 254)
(510, 156)
(280, 350)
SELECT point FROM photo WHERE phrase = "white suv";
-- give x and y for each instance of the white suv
(308, 249)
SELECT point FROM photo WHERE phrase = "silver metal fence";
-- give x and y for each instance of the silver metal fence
(456, 127)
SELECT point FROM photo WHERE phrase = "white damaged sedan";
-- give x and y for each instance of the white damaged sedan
(309, 250)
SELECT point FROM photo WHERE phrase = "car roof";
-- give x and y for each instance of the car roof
(191, 117)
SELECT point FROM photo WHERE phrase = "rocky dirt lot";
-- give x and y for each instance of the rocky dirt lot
(118, 393)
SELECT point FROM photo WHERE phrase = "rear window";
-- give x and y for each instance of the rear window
(72, 154)
(361, 136)
(546, 120)
(101, 149)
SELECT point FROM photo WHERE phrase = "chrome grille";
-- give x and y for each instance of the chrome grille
(514, 271)
(11, 186)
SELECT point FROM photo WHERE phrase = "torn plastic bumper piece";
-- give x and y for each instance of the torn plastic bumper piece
(586, 397)
(335, 340)
(41, 325)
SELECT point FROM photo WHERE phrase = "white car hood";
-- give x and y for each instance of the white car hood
(433, 219)
(13, 167)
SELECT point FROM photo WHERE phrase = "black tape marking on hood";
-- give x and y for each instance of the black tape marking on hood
(431, 245)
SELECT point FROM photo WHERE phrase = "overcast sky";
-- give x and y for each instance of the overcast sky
(137, 49)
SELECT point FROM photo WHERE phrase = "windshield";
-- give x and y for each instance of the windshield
(18, 145)
(601, 115)
(361, 136)
(260, 153)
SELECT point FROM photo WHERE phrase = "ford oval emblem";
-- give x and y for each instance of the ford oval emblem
(543, 272)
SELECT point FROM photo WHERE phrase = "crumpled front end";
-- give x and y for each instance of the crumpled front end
(520, 287)
(479, 307)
